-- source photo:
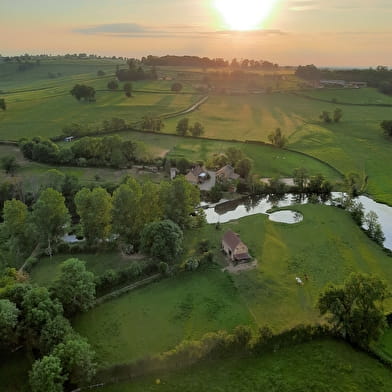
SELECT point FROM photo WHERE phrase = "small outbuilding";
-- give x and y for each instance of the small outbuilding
(234, 247)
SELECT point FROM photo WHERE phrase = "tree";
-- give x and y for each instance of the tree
(112, 85)
(16, 216)
(162, 240)
(300, 178)
(234, 155)
(355, 309)
(46, 375)
(179, 199)
(151, 204)
(77, 359)
(3, 104)
(374, 229)
(9, 164)
(325, 116)
(176, 87)
(101, 73)
(81, 91)
(244, 167)
(128, 89)
(8, 322)
(54, 332)
(337, 115)
(126, 211)
(75, 288)
(353, 184)
(277, 138)
(50, 217)
(197, 129)
(94, 208)
(37, 310)
(386, 125)
(182, 126)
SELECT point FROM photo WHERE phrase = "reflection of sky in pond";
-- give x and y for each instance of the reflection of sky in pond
(232, 210)
(286, 217)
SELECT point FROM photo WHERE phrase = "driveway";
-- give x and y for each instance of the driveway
(207, 185)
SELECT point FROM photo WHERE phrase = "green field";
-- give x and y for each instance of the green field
(384, 346)
(357, 144)
(327, 246)
(157, 317)
(363, 96)
(48, 269)
(267, 161)
(320, 366)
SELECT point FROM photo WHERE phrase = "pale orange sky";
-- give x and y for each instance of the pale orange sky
(323, 32)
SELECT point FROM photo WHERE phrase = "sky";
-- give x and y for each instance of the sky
(288, 32)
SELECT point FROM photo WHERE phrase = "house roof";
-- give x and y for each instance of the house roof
(231, 239)
(227, 172)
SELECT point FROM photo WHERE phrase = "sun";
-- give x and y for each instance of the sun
(244, 14)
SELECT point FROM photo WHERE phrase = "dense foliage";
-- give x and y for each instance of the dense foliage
(109, 151)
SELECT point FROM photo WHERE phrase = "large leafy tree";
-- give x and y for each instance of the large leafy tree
(355, 309)
(180, 199)
(182, 126)
(81, 91)
(126, 211)
(50, 217)
(77, 359)
(162, 240)
(75, 288)
(15, 225)
(54, 332)
(94, 208)
(37, 309)
(151, 205)
(8, 322)
(46, 375)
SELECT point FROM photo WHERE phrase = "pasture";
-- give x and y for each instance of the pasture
(48, 269)
(327, 246)
(155, 318)
(322, 366)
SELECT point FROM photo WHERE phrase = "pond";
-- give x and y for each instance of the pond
(226, 211)
(288, 216)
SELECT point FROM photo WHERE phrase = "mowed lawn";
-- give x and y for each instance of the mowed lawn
(319, 366)
(48, 269)
(326, 246)
(157, 317)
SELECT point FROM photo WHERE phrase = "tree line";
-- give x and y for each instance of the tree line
(109, 151)
(205, 62)
(119, 217)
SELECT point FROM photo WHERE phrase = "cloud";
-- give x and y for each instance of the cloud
(114, 28)
(303, 5)
(134, 30)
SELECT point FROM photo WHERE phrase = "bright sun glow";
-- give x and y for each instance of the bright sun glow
(244, 14)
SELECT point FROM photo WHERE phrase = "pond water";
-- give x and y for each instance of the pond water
(286, 217)
(226, 211)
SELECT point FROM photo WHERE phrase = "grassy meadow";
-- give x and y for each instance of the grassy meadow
(327, 246)
(319, 366)
(48, 269)
(155, 318)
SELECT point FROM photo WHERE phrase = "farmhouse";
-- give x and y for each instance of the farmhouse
(227, 173)
(196, 175)
(234, 247)
(69, 139)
